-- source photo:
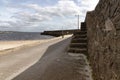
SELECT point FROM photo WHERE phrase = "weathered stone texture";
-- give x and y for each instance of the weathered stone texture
(103, 26)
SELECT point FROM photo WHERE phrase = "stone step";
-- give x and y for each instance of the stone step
(77, 50)
(83, 29)
(80, 36)
(78, 45)
(80, 33)
(83, 24)
(79, 40)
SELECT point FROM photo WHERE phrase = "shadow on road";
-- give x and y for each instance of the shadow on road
(45, 68)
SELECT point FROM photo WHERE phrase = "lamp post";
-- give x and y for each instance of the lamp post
(78, 15)
(78, 20)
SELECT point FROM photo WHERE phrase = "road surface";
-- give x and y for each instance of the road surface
(16, 62)
(58, 64)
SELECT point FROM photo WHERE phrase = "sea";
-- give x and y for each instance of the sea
(11, 36)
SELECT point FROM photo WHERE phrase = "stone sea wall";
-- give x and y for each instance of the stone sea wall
(103, 30)
(58, 33)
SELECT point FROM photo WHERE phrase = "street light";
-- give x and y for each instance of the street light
(78, 15)
(78, 20)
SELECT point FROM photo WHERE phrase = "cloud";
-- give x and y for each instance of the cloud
(35, 16)
(30, 17)
(62, 8)
(88, 4)
(4, 23)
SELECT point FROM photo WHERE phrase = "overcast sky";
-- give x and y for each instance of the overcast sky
(40, 15)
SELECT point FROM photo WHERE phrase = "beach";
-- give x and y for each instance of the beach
(41, 59)
(17, 56)
(12, 40)
(5, 45)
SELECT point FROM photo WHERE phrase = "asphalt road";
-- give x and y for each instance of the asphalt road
(57, 64)
(16, 62)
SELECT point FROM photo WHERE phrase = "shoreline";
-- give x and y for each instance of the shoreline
(18, 60)
(9, 46)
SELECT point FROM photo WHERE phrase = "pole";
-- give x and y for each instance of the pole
(78, 22)
(78, 1)
(78, 18)
(62, 33)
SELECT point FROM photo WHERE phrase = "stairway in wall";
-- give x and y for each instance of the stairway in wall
(79, 41)
(78, 52)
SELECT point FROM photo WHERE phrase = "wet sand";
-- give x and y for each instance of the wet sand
(10, 40)
(13, 44)
(6, 46)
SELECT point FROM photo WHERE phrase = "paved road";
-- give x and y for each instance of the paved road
(16, 62)
(57, 64)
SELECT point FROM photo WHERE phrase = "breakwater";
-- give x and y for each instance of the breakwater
(58, 33)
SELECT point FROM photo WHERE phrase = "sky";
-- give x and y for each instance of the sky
(40, 15)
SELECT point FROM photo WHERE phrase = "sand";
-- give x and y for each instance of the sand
(49, 60)
(17, 61)
(12, 44)
(9, 45)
